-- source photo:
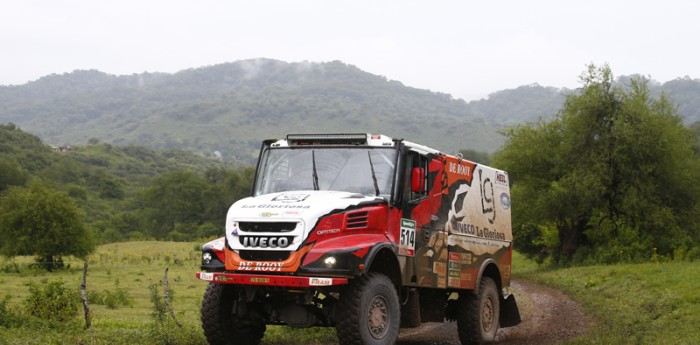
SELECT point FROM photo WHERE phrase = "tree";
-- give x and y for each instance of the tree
(38, 220)
(612, 178)
(224, 187)
(11, 174)
(174, 199)
(695, 127)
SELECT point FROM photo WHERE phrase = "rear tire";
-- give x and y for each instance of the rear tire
(368, 312)
(477, 319)
(221, 324)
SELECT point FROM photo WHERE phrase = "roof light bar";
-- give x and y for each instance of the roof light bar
(327, 139)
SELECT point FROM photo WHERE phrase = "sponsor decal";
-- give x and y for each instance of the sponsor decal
(262, 266)
(259, 280)
(276, 206)
(407, 241)
(268, 214)
(467, 229)
(460, 169)
(265, 241)
(471, 229)
(206, 276)
(501, 179)
(505, 201)
(320, 281)
(466, 259)
(289, 198)
(327, 232)
(487, 201)
(439, 268)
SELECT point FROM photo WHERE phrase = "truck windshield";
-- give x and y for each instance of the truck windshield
(364, 170)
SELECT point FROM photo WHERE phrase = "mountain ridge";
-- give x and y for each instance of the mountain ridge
(231, 107)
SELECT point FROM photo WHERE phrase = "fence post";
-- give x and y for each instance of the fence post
(83, 297)
(166, 292)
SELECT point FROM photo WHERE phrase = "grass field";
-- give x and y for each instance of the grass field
(653, 303)
(132, 267)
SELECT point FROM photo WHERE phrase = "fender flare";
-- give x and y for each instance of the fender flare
(488, 262)
(379, 249)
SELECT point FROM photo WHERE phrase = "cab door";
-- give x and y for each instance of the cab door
(423, 237)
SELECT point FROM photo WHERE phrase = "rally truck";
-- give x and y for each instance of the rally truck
(364, 233)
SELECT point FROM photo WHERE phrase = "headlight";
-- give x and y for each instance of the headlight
(206, 258)
(330, 262)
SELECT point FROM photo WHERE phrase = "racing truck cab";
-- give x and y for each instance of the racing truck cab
(365, 233)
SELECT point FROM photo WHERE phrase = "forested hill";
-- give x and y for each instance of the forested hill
(231, 107)
(128, 192)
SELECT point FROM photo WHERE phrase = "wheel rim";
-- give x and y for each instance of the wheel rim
(378, 317)
(487, 314)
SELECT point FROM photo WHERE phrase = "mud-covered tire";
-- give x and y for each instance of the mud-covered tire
(221, 326)
(478, 315)
(368, 312)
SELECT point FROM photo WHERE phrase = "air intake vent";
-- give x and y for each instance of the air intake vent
(358, 220)
(267, 226)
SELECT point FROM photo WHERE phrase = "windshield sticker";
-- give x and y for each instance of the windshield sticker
(291, 197)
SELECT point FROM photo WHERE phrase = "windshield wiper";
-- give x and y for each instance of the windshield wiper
(314, 173)
(374, 176)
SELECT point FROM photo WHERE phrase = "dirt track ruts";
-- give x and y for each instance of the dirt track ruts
(548, 316)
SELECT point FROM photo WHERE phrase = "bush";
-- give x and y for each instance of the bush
(11, 267)
(6, 316)
(111, 299)
(52, 301)
(159, 313)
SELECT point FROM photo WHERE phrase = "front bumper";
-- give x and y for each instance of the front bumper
(269, 280)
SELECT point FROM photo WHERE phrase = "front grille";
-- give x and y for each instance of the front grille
(358, 220)
(264, 255)
(267, 226)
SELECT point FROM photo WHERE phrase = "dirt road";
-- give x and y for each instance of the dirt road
(548, 316)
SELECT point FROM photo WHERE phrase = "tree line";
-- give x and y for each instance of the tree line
(615, 177)
(55, 204)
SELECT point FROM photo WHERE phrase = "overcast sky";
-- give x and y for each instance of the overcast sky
(468, 49)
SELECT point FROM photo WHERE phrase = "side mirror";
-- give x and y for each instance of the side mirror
(418, 180)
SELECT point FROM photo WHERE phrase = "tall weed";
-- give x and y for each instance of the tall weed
(52, 301)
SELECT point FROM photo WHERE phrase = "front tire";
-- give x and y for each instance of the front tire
(368, 312)
(222, 325)
(477, 320)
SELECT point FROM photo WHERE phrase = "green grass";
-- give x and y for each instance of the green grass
(651, 303)
(131, 266)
